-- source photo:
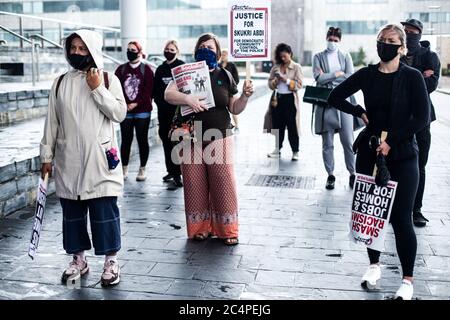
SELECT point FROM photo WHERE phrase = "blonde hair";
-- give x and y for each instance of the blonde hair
(398, 29)
(174, 43)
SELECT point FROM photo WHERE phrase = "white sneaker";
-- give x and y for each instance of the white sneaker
(371, 278)
(405, 292)
(141, 175)
(77, 268)
(275, 154)
(111, 273)
(125, 172)
(295, 156)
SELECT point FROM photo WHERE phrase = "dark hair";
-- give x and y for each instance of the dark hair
(282, 47)
(334, 32)
(205, 37)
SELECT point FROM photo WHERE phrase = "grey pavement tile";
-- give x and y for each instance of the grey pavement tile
(255, 250)
(222, 290)
(168, 256)
(135, 283)
(191, 288)
(275, 278)
(173, 270)
(214, 261)
(154, 243)
(439, 289)
(225, 275)
(136, 267)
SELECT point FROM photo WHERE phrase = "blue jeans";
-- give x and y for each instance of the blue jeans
(105, 225)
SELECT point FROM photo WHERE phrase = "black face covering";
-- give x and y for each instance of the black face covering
(169, 55)
(132, 55)
(79, 62)
(413, 42)
(387, 51)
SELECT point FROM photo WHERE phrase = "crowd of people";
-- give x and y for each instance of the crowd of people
(80, 142)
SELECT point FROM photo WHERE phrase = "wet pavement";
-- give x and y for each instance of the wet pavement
(293, 241)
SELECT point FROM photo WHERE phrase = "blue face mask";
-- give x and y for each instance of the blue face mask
(207, 55)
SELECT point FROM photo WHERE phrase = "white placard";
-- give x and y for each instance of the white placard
(371, 211)
(249, 30)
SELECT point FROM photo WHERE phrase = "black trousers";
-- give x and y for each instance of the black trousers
(406, 173)
(283, 116)
(127, 128)
(165, 121)
(424, 143)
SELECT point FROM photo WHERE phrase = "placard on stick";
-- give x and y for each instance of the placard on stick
(249, 31)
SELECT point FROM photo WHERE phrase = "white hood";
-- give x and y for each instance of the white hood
(94, 43)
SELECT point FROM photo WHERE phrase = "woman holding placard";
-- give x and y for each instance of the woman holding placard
(396, 102)
(210, 186)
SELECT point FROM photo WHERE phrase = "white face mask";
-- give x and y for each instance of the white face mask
(332, 46)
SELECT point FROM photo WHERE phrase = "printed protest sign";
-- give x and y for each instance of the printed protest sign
(371, 211)
(38, 216)
(249, 30)
(193, 78)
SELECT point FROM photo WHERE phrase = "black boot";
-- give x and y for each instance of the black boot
(419, 220)
(330, 182)
(177, 181)
(167, 178)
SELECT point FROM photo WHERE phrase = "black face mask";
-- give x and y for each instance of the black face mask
(79, 62)
(132, 55)
(413, 42)
(169, 55)
(387, 51)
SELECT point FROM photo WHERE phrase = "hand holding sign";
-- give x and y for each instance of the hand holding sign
(247, 89)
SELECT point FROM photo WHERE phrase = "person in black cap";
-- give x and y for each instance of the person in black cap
(421, 57)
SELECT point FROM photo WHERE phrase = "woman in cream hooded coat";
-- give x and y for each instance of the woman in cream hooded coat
(78, 133)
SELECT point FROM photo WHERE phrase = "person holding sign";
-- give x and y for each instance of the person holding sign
(209, 186)
(79, 138)
(396, 102)
(286, 77)
(331, 67)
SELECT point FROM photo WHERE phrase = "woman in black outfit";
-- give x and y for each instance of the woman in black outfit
(396, 101)
(166, 111)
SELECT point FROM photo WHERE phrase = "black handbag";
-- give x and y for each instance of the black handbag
(182, 128)
(317, 95)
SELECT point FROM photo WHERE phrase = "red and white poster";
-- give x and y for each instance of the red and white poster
(249, 30)
(371, 211)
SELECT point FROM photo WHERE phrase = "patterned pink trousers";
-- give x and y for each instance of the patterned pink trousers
(210, 190)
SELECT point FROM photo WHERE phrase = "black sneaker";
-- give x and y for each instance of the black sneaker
(177, 181)
(351, 181)
(330, 182)
(419, 220)
(167, 178)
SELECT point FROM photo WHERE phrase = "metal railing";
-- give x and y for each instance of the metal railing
(42, 40)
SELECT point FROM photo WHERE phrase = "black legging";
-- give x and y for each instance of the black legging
(284, 116)
(424, 142)
(165, 122)
(126, 130)
(406, 173)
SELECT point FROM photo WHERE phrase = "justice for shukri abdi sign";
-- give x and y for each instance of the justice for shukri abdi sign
(371, 211)
(249, 30)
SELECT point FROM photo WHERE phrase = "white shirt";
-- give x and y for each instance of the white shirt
(333, 61)
(283, 87)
